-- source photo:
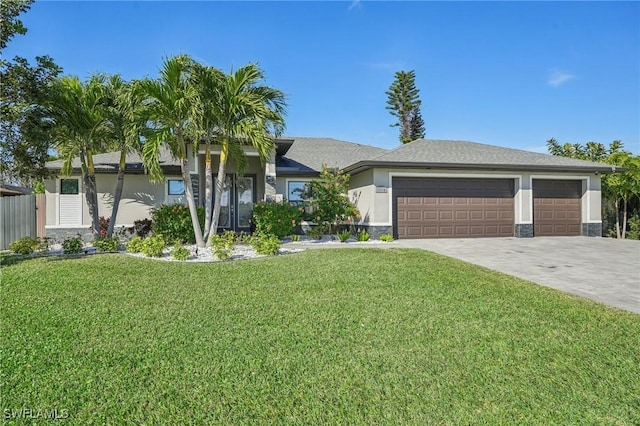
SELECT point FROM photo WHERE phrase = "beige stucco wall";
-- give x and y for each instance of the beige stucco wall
(375, 206)
(362, 193)
(139, 197)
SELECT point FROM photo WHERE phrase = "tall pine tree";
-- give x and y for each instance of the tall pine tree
(404, 103)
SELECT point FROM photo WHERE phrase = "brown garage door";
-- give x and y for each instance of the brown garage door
(556, 207)
(447, 208)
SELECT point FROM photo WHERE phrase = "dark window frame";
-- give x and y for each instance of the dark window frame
(169, 191)
(62, 187)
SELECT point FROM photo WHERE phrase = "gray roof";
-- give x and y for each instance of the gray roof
(109, 161)
(464, 154)
(306, 155)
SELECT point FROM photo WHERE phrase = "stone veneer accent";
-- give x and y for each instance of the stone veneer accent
(524, 230)
(59, 234)
(376, 231)
(592, 229)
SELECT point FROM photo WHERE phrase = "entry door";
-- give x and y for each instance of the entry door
(237, 201)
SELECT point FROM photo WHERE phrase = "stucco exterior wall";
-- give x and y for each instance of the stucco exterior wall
(51, 204)
(362, 193)
(368, 189)
(139, 197)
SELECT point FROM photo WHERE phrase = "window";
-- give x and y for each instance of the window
(176, 187)
(69, 186)
(295, 190)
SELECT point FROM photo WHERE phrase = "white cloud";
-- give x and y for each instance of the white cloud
(354, 4)
(558, 78)
(387, 66)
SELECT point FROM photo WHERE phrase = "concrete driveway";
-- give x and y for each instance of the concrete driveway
(602, 269)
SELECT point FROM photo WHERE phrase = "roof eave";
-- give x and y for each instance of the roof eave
(364, 165)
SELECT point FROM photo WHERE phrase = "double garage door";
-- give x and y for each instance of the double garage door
(464, 208)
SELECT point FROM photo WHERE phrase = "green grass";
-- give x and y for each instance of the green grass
(358, 336)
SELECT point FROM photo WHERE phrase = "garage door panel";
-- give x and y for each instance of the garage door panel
(462, 215)
(476, 215)
(445, 215)
(454, 207)
(557, 207)
(414, 215)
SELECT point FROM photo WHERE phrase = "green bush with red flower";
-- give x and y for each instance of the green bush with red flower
(279, 219)
(173, 221)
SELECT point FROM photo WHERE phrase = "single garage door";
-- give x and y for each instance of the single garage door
(556, 207)
(448, 208)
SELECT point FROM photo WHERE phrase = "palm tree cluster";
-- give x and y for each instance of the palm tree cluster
(621, 190)
(189, 104)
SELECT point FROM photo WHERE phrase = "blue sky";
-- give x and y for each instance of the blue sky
(512, 74)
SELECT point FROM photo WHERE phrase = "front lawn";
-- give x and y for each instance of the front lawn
(361, 336)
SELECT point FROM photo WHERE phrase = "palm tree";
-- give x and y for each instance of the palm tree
(244, 113)
(173, 114)
(208, 80)
(125, 124)
(79, 131)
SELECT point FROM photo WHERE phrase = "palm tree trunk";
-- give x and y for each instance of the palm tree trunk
(188, 190)
(624, 219)
(616, 203)
(91, 190)
(222, 171)
(208, 190)
(117, 196)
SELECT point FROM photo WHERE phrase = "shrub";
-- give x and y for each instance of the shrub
(328, 199)
(344, 236)
(107, 244)
(26, 245)
(363, 236)
(222, 245)
(142, 228)
(134, 245)
(279, 219)
(386, 238)
(243, 238)
(317, 232)
(152, 246)
(634, 228)
(295, 238)
(45, 243)
(174, 222)
(72, 245)
(104, 226)
(266, 244)
(180, 252)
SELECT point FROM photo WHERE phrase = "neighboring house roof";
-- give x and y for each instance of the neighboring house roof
(307, 155)
(10, 190)
(426, 153)
(109, 162)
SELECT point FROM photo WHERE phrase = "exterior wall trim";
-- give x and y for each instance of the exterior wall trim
(587, 192)
(58, 193)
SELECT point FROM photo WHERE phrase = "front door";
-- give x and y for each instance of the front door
(237, 201)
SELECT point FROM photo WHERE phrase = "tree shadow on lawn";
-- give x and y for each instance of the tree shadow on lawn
(14, 259)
